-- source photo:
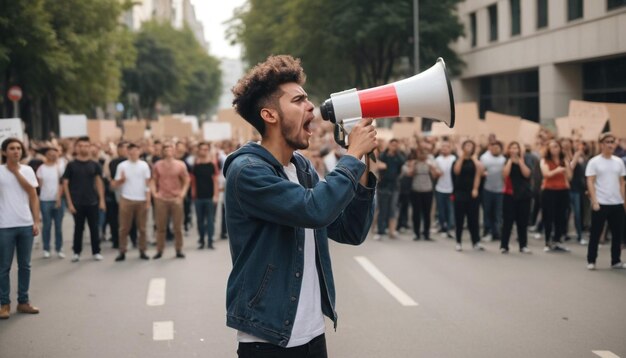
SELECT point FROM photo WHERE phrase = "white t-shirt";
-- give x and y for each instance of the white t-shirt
(14, 204)
(134, 188)
(494, 182)
(607, 173)
(309, 322)
(49, 177)
(444, 183)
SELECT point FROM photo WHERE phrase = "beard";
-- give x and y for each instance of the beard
(290, 133)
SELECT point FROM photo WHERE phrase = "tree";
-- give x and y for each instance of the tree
(350, 43)
(172, 68)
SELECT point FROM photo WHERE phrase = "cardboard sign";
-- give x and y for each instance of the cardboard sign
(384, 134)
(617, 119)
(134, 130)
(72, 125)
(193, 120)
(505, 127)
(466, 111)
(439, 129)
(528, 132)
(589, 110)
(103, 130)
(589, 130)
(242, 130)
(11, 127)
(564, 127)
(217, 131)
(403, 130)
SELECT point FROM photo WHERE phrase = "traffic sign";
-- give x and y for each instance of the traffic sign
(14, 93)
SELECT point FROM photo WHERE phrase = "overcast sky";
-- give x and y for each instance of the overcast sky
(213, 13)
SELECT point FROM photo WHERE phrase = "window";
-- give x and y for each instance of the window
(514, 93)
(574, 9)
(515, 18)
(605, 81)
(542, 14)
(614, 4)
(473, 28)
(493, 22)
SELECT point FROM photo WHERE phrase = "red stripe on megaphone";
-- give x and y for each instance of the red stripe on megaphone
(379, 102)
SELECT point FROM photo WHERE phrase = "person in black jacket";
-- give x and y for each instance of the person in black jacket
(467, 172)
(517, 196)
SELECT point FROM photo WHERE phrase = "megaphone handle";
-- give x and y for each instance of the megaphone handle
(372, 156)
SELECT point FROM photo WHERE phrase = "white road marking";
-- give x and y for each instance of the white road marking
(605, 354)
(380, 277)
(156, 292)
(163, 331)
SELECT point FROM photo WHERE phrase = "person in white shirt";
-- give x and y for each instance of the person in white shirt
(493, 191)
(133, 178)
(52, 207)
(444, 189)
(605, 182)
(19, 224)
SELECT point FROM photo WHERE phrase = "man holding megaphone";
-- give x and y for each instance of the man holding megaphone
(280, 215)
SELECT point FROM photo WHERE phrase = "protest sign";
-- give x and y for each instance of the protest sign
(134, 130)
(72, 125)
(505, 127)
(217, 131)
(528, 132)
(11, 127)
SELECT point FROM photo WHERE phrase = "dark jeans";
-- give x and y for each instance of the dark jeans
(614, 214)
(205, 219)
(469, 208)
(13, 239)
(492, 213)
(51, 214)
(187, 211)
(387, 202)
(515, 211)
(576, 207)
(422, 204)
(89, 213)
(404, 200)
(112, 218)
(554, 205)
(314, 349)
(445, 210)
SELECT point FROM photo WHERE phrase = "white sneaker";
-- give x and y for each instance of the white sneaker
(458, 247)
(547, 249)
(504, 251)
(75, 257)
(487, 238)
(479, 247)
(60, 255)
(525, 250)
(561, 247)
(377, 237)
(591, 267)
(619, 265)
(537, 236)
(46, 254)
(583, 242)
(98, 257)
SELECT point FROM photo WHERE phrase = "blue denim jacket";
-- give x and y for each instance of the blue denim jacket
(266, 215)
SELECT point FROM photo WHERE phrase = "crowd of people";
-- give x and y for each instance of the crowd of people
(434, 186)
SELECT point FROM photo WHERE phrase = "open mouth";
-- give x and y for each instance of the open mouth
(308, 127)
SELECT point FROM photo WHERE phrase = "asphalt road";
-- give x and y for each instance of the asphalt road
(467, 304)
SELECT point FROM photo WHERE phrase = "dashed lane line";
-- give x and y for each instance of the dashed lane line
(163, 331)
(384, 281)
(605, 354)
(156, 292)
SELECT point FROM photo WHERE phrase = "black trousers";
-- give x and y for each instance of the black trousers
(112, 218)
(89, 213)
(467, 208)
(614, 214)
(422, 204)
(515, 211)
(554, 206)
(404, 199)
(316, 348)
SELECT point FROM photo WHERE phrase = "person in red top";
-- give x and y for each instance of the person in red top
(517, 195)
(170, 181)
(555, 195)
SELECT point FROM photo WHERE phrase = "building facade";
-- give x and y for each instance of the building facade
(531, 57)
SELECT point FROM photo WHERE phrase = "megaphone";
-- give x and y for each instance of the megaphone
(427, 94)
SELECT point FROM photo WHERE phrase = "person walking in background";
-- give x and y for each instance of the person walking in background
(467, 173)
(52, 206)
(422, 170)
(605, 181)
(390, 165)
(493, 162)
(19, 224)
(84, 193)
(133, 178)
(169, 184)
(204, 191)
(577, 188)
(444, 189)
(555, 196)
(516, 201)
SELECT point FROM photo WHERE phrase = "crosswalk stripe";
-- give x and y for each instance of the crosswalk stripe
(384, 281)
(605, 354)
(163, 331)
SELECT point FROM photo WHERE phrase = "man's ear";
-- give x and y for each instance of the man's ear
(269, 115)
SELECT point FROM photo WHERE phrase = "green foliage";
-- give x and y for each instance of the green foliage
(172, 68)
(349, 43)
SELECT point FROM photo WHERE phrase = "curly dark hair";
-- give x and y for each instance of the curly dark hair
(260, 87)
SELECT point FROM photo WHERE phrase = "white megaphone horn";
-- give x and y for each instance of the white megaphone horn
(427, 94)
